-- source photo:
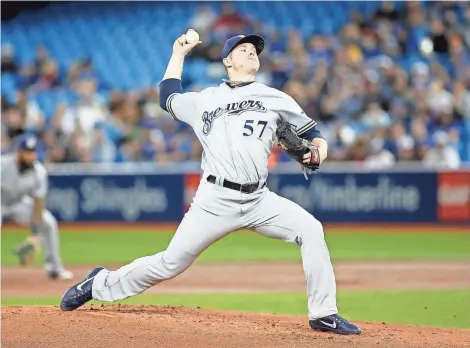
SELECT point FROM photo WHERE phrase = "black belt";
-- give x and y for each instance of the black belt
(245, 188)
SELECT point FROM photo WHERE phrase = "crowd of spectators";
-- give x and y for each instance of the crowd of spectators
(392, 87)
(124, 127)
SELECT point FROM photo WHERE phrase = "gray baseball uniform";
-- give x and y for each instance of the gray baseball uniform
(18, 193)
(236, 127)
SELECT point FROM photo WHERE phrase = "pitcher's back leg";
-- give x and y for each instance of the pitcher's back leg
(197, 231)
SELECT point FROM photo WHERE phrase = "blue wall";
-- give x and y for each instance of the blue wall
(331, 197)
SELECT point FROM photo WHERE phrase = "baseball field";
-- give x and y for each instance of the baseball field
(405, 286)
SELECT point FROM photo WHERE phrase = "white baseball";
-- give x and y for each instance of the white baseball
(192, 36)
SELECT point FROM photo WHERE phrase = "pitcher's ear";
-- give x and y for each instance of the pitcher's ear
(227, 63)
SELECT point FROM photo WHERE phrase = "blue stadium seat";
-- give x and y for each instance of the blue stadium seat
(125, 39)
(465, 139)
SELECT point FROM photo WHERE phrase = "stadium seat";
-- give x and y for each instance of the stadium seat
(75, 30)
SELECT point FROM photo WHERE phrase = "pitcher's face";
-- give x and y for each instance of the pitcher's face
(244, 58)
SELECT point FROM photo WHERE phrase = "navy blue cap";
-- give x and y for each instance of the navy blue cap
(27, 143)
(233, 42)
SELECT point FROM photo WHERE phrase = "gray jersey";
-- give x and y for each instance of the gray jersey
(16, 185)
(237, 126)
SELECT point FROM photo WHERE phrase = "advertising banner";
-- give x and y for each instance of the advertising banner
(362, 197)
(454, 197)
(330, 197)
(191, 183)
(143, 198)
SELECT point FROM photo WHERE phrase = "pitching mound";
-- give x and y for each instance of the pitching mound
(149, 326)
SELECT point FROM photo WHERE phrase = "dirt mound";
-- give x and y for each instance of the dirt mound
(149, 326)
(264, 277)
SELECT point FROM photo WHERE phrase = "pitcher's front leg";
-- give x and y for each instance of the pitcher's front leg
(279, 218)
(307, 232)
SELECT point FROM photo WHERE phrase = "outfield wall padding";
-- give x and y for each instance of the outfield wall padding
(421, 197)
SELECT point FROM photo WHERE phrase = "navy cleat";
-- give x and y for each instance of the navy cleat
(80, 293)
(334, 323)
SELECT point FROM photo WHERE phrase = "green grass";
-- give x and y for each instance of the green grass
(449, 308)
(121, 247)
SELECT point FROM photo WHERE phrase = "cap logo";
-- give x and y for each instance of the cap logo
(30, 143)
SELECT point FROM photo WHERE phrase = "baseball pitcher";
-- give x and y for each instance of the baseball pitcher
(24, 189)
(237, 123)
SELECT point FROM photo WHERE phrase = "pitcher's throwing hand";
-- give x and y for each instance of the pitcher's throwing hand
(182, 45)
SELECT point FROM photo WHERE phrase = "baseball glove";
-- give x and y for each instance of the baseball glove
(297, 147)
